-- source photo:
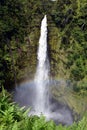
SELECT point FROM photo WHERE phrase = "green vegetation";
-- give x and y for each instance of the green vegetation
(67, 45)
(19, 35)
(14, 118)
(69, 17)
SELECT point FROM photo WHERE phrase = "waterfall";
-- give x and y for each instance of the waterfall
(41, 103)
(37, 95)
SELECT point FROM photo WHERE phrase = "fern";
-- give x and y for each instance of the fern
(14, 118)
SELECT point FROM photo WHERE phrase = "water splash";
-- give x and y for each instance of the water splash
(41, 103)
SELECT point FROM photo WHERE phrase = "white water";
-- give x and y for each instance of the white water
(41, 104)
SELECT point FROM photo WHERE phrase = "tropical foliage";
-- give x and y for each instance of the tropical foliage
(19, 34)
(19, 25)
(14, 118)
(67, 46)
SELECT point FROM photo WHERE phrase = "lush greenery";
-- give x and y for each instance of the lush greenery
(67, 46)
(70, 17)
(14, 118)
(19, 34)
(19, 27)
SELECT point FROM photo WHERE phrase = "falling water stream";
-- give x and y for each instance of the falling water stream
(41, 103)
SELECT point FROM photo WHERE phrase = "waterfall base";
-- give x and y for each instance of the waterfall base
(25, 94)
